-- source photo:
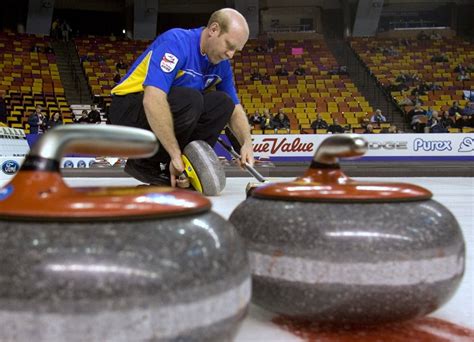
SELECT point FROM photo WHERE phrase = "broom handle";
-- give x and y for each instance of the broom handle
(247, 166)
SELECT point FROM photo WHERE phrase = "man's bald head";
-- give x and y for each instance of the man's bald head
(225, 34)
(229, 19)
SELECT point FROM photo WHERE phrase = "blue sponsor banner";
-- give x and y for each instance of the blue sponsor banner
(32, 139)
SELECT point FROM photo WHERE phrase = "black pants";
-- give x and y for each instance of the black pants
(196, 116)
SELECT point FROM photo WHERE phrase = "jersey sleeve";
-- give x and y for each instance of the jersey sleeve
(165, 61)
(227, 84)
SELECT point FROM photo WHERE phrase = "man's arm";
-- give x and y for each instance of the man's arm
(159, 117)
(240, 126)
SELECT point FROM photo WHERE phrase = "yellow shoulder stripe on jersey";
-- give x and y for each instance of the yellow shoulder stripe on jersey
(179, 74)
(134, 82)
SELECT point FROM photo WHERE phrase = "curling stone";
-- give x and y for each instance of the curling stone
(203, 168)
(331, 249)
(114, 264)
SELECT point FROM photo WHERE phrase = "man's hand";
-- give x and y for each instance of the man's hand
(246, 154)
(176, 169)
(183, 181)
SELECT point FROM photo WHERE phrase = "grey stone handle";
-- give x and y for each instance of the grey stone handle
(340, 146)
(106, 140)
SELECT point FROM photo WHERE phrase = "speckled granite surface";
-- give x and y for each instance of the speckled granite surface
(358, 263)
(121, 281)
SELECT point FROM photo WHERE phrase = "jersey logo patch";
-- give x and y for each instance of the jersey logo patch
(211, 80)
(168, 62)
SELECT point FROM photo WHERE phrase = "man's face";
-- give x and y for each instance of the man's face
(38, 109)
(223, 46)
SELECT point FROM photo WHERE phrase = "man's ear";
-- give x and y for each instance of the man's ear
(214, 29)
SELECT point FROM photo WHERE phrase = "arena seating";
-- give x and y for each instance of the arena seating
(29, 78)
(301, 97)
(103, 53)
(27, 71)
(32, 78)
(21, 105)
(415, 58)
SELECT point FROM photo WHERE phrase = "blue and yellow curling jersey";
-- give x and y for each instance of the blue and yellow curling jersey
(174, 59)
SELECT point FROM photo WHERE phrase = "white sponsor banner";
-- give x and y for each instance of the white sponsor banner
(9, 166)
(13, 142)
(380, 145)
(14, 147)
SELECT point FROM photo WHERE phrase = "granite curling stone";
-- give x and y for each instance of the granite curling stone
(330, 249)
(204, 168)
(114, 264)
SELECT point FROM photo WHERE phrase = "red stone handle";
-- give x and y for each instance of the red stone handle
(39, 192)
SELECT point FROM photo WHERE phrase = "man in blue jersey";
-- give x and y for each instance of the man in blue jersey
(182, 89)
